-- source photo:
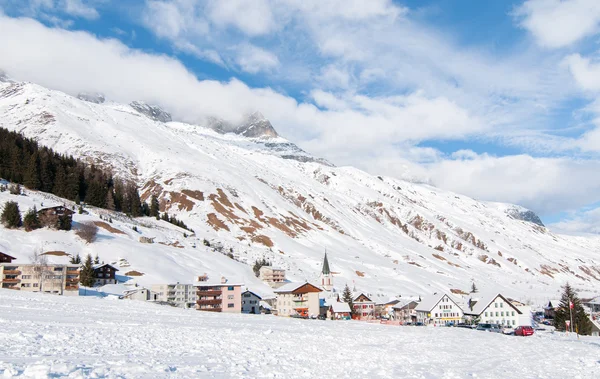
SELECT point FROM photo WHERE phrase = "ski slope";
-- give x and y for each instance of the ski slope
(262, 197)
(52, 336)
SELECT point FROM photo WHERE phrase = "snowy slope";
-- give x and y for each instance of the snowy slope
(51, 336)
(384, 236)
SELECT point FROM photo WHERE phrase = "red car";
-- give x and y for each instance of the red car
(524, 331)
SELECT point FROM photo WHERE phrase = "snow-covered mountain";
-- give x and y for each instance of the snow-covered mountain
(261, 195)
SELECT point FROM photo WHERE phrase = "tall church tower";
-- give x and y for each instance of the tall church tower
(326, 277)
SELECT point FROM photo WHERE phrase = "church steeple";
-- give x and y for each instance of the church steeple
(326, 276)
(326, 270)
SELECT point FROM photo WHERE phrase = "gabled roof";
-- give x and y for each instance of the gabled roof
(428, 303)
(100, 265)
(359, 295)
(298, 288)
(339, 307)
(6, 255)
(552, 304)
(483, 302)
(253, 293)
(411, 304)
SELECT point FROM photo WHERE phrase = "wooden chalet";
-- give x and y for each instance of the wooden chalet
(5, 258)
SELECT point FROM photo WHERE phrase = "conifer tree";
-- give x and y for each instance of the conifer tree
(154, 206)
(97, 260)
(76, 259)
(348, 298)
(474, 288)
(86, 276)
(581, 322)
(11, 216)
(32, 174)
(110, 200)
(31, 220)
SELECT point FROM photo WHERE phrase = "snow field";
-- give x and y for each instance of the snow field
(49, 336)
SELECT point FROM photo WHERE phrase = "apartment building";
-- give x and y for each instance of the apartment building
(300, 299)
(50, 278)
(218, 297)
(274, 277)
(180, 295)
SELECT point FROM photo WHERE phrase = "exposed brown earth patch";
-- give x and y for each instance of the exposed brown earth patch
(134, 273)
(458, 292)
(216, 223)
(439, 257)
(588, 272)
(263, 240)
(360, 273)
(56, 253)
(107, 227)
(240, 208)
(182, 201)
(198, 195)
(453, 264)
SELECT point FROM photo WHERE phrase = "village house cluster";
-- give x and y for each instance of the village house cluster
(292, 299)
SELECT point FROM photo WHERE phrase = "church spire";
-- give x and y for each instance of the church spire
(326, 270)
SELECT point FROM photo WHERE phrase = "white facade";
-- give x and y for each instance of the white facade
(438, 310)
(180, 295)
(496, 309)
(56, 279)
(250, 302)
(298, 298)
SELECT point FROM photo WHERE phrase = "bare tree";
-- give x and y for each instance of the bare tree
(41, 268)
(87, 231)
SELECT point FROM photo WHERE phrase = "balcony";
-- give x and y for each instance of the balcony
(9, 287)
(73, 272)
(208, 293)
(12, 272)
(209, 302)
(11, 281)
(71, 288)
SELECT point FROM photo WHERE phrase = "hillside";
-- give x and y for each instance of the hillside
(265, 197)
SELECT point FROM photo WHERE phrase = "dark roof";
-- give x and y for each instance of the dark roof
(253, 293)
(100, 265)
(9, 257)
(326, 270)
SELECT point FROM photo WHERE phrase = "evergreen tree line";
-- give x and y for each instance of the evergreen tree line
(36, 167)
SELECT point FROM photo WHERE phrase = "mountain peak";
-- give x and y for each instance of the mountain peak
(255, 125)
(92, 97)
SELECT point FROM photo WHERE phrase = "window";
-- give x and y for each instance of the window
(26, 276)
(496, 314)
(230, 297)
(502, 314)
(230, 288)
(496, 305)
(513, 313)
(35, 284)
(501, 305)
(58, 268)
(230, 305)
(485, 314)
(26, 285)
(513, 322)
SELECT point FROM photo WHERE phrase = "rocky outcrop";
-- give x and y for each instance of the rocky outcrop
(96, 98)
(525, 215)
(153, 112)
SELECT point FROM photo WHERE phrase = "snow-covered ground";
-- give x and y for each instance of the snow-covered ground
(52, 336)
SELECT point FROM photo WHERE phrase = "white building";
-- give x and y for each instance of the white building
(298, 299)
(250, 302)
(180, 295)
(48, 278)
(438, 310)
(274, 277)
(495, 309)
(140, 294)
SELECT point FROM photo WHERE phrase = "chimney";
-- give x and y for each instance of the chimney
(223, 280)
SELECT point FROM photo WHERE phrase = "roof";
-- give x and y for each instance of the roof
(359, 294)
(253, 293)
(293, 287)
(339, 307)
(483, 302)
(410, 304)
(429, 302)
(326, 270)
(97, 266)
(1, 253)
(595, 300)
(552, 303)
(217, 284)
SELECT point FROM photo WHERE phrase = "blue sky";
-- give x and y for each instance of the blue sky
(494, 99)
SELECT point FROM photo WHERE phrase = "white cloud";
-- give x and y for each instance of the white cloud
(254, 59)
(252, 17)
(77, 8)
(585, 72)
(559, 23)
(587, 221)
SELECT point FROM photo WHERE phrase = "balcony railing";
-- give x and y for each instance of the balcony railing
(210, 309)
(12, 272)
(15, 280)
(209, 302)
(73, 272)
(208, 293)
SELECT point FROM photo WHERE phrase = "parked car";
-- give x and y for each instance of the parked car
(463, 325)
(524, 331)
(419, 324)
(547, 322)
(493, 328)
(450, 323)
